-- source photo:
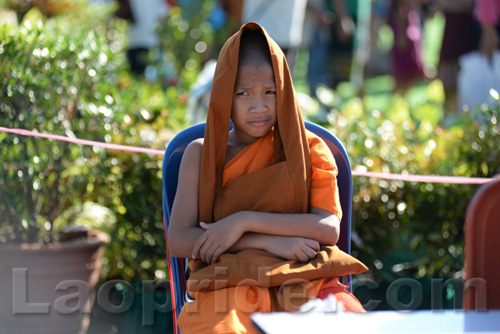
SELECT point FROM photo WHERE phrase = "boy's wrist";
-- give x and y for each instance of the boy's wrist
(243, 220)
(266, 241)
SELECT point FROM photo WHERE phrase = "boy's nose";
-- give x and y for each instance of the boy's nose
(258, 104)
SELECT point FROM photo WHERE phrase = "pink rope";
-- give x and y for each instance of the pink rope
(84, 142)
(425, 178)
(387, 176)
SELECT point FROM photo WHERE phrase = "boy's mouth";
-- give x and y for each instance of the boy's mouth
(259, 122)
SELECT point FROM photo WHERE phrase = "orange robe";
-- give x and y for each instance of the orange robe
(324, 192)
(286, 171)
(227, 309)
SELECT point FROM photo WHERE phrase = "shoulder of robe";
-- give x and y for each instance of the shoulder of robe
(321, 156)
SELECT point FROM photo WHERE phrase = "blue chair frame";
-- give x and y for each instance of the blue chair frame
(171, 162)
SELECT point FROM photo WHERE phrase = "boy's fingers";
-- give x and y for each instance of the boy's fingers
(313, 244)
(197, 246)
(310, 253)
(207, 252)
(310, 249)
(216, 256)
(212, 253)
(303, 257)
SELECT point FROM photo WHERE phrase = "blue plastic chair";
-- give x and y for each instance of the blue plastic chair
(171, 162)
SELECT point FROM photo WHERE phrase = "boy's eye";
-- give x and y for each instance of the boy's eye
(241, 94)
(271, 92)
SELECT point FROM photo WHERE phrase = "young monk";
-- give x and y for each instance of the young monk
(257, 206)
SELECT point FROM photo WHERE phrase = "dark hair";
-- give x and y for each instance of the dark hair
(254, 49)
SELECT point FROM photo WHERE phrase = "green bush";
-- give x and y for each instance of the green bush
(67, 75)
(60, 79)
(187, 40)
(409, 228)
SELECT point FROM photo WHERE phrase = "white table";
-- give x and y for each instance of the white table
(451, 321)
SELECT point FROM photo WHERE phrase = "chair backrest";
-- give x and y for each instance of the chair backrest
(482, 249)
(171, 163)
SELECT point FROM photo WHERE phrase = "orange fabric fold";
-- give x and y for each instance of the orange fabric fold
(254, 157)
(324, 191)
(258, 268)
(228, 310)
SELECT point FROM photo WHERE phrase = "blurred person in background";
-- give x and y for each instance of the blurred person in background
(316, 40)
(283, 21)
(143, 16)
(487, 13)
(458, 39)
(234, 9)
(342, 37)
(319, 24)
(406, 54)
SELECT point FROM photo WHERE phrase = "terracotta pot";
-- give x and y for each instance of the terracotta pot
(49, 288)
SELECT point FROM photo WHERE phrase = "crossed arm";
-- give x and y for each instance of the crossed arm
(290, 236)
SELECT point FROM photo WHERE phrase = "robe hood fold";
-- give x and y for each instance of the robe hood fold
(288, 179)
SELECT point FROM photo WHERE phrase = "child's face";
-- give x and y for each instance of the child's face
(253, 110)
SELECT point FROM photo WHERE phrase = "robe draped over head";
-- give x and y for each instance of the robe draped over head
(284, 186)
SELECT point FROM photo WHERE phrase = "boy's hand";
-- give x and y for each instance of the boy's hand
(293, 248)
(216, 240)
